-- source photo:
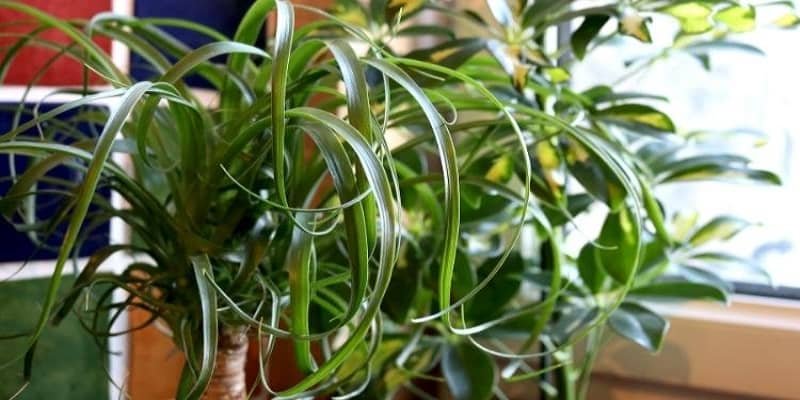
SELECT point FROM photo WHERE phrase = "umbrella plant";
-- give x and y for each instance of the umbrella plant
(369, 205)
(511, 310)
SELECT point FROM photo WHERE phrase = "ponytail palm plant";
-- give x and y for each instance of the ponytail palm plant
(240, 224)
(282, 210)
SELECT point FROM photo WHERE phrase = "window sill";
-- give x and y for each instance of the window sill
(749, 348)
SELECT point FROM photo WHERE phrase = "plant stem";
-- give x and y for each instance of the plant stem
(565, 375)
(228, 381)
(593, 344)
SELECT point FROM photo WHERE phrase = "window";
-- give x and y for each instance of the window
(750, 99)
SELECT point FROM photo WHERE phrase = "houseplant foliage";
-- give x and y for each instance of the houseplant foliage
(520, 309)
(282, 212)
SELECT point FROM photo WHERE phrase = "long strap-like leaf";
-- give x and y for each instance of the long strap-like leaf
(85, 194)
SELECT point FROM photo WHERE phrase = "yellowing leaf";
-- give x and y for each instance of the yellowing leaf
(689, 10)
(787, 20)
(635, 25)
(557, 75)
(696, 25)
(547, 155)
(738, 18)
(501, 170)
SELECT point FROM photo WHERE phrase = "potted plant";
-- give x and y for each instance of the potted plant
(513, 310)
(269, 215)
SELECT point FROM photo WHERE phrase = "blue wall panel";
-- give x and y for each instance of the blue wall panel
(16, 246)
(222, 15)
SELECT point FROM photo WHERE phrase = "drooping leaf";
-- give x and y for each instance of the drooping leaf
(640, 325)
(588, 30)
(668, 290)
(469, 372)
(703, 47)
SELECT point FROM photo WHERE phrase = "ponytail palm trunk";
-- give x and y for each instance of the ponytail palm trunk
(228, 380)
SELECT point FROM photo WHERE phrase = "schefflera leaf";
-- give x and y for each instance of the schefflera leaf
(488, 303)
(618, 248)
(594, 176)
(720, 228)
(636, 117)
(586, 32)
(694, 16)
(591, 273)
(677, 290)
(469, 372)
(738, 18)
(639, 324)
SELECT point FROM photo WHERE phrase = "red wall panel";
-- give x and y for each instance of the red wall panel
(31, 60)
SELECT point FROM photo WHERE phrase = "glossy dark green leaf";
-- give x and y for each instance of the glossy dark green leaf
(469, 372)
(637, 115)
(639, 325)
(490, 301)
(598, 181)
(619, 241)
(680, 291)
(592, 274)
(587, 31)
